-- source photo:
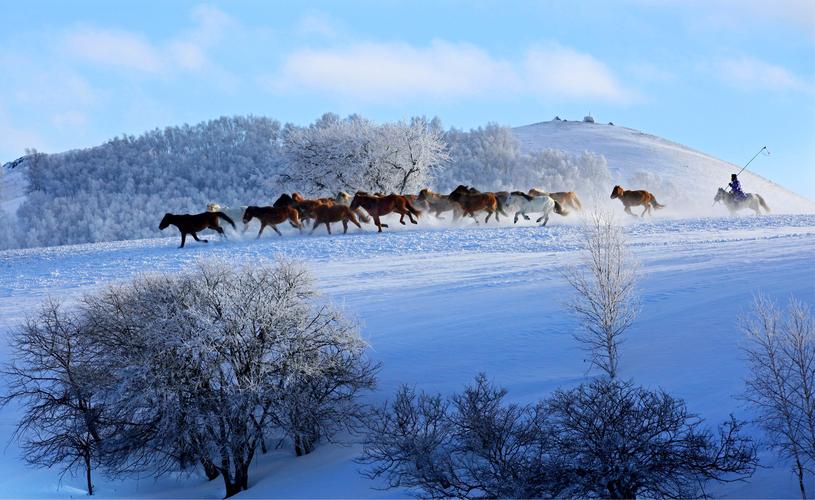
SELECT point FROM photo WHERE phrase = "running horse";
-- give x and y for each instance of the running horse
(752, 200)
(272, 216)
(472, 200)
(635, 199)
(191, 224)
(377, 206)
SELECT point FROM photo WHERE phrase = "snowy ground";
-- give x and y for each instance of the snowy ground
(440, 305)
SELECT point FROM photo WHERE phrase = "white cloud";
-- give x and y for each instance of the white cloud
(114, 48)
(381, 71)
(562, 72)
(318, 24)
(748, 73)
(131, 51)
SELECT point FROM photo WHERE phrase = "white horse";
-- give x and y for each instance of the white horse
(524, 204)
(753, 201)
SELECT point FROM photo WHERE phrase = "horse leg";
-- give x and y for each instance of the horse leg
(644, 210)
(629, 212)
(277, 230)
(183, 239)
(488, 217)
(313, 227)
(195, 236)
(412, 220)
(516, 217)
(344, 226)
(545, 219)
(402, 218)
(328, 226)
(262, 227)
(221, 232)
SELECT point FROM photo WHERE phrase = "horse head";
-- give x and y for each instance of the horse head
(165, 221)
(297, 197)
(284, 201)
(248, 214)
(343, 198)
(617, 192)
(357, 201)
(721, 194)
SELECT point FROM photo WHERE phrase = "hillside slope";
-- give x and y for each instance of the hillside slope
(684, 179)
(439, 306)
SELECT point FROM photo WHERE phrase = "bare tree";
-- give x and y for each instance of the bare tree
(624, 441)
(52, 374)
(605, 439)
(781, 353)
(605, 298)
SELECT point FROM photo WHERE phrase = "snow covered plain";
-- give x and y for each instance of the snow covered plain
(440, 304)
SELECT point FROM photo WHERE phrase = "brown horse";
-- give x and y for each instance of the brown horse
(191, 224)
(472, 200)
(634, 199)
(377, 206)
(325, 214)
(272, 216)
(565, 198)
(439, 203)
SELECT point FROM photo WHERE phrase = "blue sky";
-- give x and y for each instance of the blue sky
(724, 77)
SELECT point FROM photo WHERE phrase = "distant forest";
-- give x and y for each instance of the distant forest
(121, 189)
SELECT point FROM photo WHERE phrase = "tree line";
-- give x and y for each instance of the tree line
(119, 190)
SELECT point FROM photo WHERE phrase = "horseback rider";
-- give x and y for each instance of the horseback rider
(735, 185)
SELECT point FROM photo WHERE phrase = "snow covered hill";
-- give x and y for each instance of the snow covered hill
(440, 305)
(684, 179)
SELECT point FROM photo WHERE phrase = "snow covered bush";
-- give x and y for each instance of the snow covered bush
(606, 439)
(781, 384)
(202, 367)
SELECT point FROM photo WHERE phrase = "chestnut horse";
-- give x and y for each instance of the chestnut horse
(472, 200)
(272, 216)
(634, 199)
(191, 224)
(377, 206)
(325, 214)
(565, 198)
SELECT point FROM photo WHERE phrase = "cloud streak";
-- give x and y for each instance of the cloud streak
(752, 74)
(443, 70)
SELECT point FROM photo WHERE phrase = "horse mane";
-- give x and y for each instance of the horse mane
(524, 195)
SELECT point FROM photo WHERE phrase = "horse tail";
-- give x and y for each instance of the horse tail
(576, 202)
(559, 209)
(364, 218)
(654, 202)
(499, 203)
(226, 218)
(763, 204)
(411, 208)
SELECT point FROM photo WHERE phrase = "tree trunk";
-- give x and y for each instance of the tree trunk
(800, 471)
(88, 471)
(210, 469)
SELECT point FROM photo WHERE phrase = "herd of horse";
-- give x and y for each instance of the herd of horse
(464, 201)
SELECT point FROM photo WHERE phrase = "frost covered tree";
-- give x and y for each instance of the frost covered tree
(605, 439)
(781, 384)
(605, 299)
(207, 362)
(166, 372)
(53, 374)
(354, 154)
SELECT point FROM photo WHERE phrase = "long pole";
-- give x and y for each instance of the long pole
(751, 159)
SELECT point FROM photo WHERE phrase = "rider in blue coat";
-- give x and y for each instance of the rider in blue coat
(735, 185)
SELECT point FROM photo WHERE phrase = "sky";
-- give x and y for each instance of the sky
(723, 77)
